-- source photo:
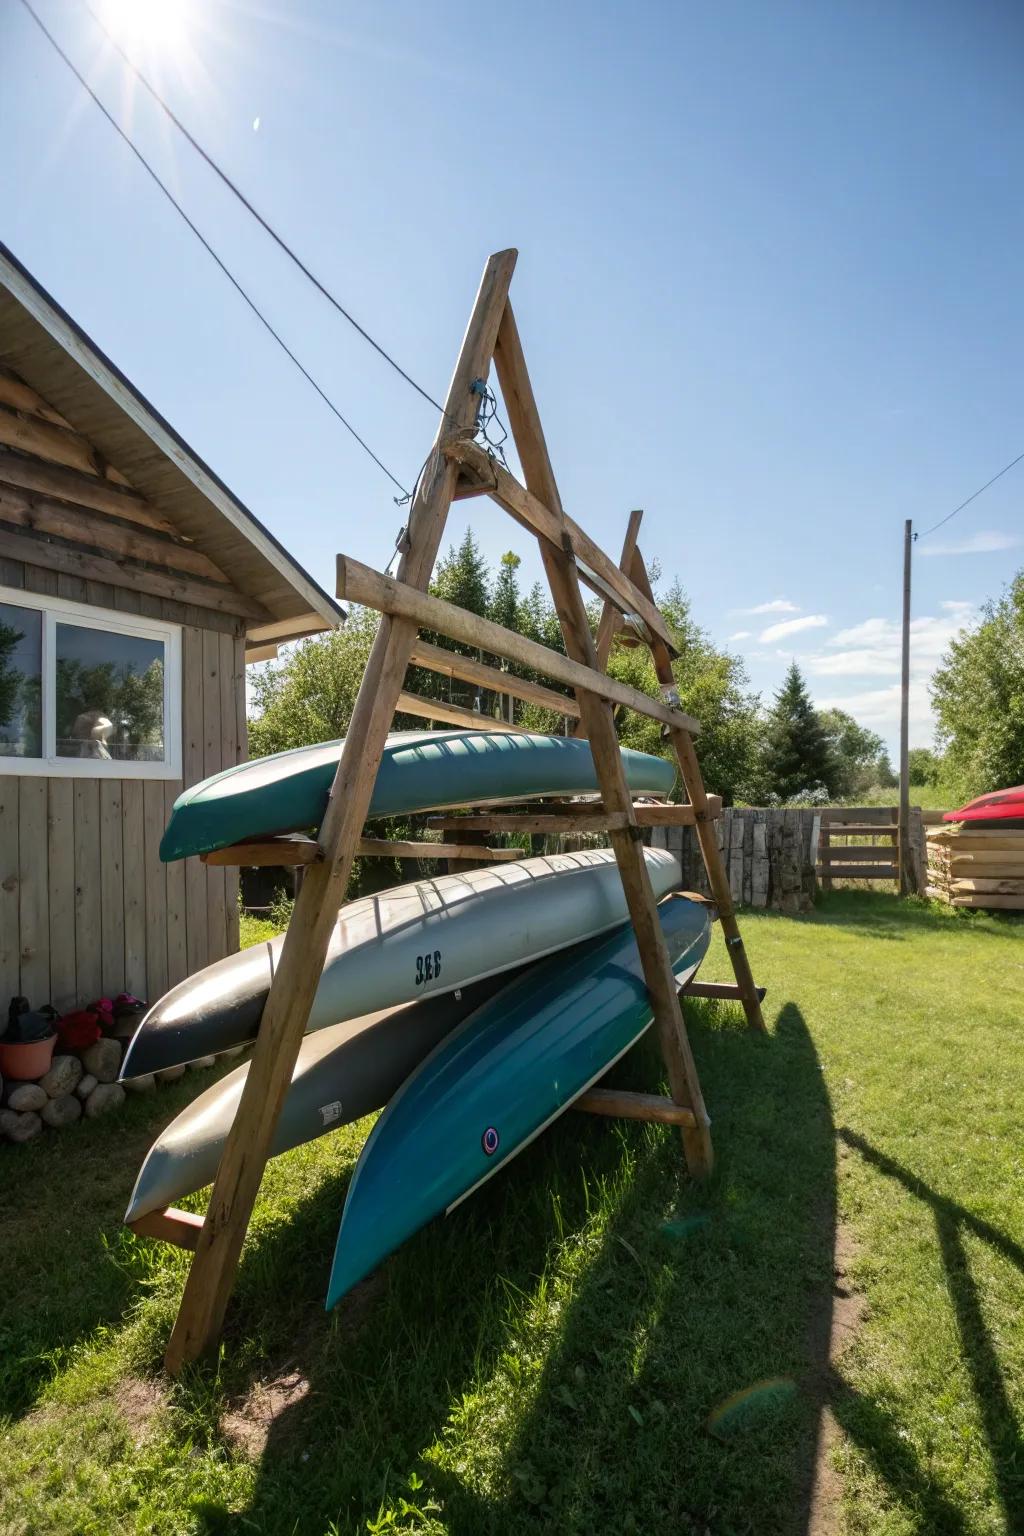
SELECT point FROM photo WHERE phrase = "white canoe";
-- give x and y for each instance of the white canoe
(431, 936)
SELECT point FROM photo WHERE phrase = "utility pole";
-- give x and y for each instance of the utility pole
(908, 883)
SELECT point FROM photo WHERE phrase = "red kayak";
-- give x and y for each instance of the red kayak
(1003, 810)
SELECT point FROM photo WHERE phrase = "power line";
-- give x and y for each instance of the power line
(209, 248)
(247, 205)
(971, 498)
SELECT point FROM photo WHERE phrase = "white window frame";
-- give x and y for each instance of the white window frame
(57, 610)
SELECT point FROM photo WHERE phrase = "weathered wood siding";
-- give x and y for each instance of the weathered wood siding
(86, 906)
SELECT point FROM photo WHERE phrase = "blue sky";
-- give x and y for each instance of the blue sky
(769, 278)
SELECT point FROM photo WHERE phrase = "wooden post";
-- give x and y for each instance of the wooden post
(528, 435)
(208, 1288)
(609, 613)
(693, 783)
(908, 883)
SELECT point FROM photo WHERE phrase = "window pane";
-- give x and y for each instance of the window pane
(110, 695)
(21, 707)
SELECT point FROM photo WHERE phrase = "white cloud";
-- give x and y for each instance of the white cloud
(792, 627)
(872, 649)
(986, 543)
(777, 605)
(741, 634)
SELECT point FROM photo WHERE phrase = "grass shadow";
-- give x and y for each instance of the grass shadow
(583, 1315)
(999, 1422)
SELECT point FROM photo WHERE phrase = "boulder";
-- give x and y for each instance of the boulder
(61, 1111)
(232, 1053)
(63, 1077)
(103, 1059)
(85, 1085)
(171, 1074)
(104, 1097)
(8, 1119)
(25, 1097)
(202, 1063)
(141, 1084)
(27, 1126)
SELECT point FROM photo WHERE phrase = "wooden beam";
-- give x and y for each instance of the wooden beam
(555, 823)
(453, 714)
(528, 434)
(387, 848)
(583, 818)
(266, 853)
(719, 990)
(260, 653)
(80, 490)
(281, 630)
(300, 963)
(454, 664)
(693, 783)
(170, 1226)
(21, 397)
(635, 1106)
(74, 562)
(562, 533)
(609, 616)
(389, 595)
(29, 434)
(19, 509)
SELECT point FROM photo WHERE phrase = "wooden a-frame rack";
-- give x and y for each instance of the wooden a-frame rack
(459, 466)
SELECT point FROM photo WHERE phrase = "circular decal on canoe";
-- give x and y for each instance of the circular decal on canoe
(489, 1141)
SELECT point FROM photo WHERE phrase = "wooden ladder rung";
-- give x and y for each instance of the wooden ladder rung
(719, 990)
(170, 1226)
(635, 1106)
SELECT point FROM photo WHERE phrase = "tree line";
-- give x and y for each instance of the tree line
(785, 753)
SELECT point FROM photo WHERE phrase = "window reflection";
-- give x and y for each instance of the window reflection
(110, 695)
(21, 705)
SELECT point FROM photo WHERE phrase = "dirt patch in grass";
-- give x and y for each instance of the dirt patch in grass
(248, 1423)
(840, 1321)
(139, 1402)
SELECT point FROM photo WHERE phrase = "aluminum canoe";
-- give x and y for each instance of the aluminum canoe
(497, 1081)
(341, 1074)
(419, 771)
(425, 938)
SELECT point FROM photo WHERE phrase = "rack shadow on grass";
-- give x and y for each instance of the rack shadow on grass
(598, 1409)
(999, 1422)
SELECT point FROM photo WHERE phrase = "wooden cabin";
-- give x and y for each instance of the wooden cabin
(133, 587)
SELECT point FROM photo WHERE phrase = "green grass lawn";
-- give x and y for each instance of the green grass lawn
(549, 1357)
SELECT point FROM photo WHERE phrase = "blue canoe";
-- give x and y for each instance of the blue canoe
(497, 1081)
(419, 771)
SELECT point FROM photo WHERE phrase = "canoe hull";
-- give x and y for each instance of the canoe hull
(419, 771)
(400, 945)
(341, 1074)
(497, 1081)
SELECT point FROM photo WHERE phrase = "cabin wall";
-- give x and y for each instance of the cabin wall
(86, 907)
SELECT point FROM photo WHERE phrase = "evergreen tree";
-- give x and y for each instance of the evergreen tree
(504, 605)
(797, 759)
(10, 676)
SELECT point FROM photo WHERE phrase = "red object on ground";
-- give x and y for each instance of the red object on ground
(79, 1029)
(25, 1061)
(1002, 805)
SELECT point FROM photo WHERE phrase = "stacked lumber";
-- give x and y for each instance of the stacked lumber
(981, 868)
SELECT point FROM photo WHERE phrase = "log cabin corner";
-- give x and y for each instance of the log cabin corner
(133, 589)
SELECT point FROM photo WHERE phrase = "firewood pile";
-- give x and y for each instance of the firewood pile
(57, 1069)
(982, 868)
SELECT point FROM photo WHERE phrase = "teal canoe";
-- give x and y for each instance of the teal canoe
(419, 771)
(498, 1080)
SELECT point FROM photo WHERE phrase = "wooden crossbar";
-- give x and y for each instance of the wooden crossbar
(585, 818)
(562, 533)
(360, 583)
(452, 714)
(454, 664)
(635, 1106)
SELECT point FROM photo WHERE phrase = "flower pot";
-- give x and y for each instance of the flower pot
(23, 1062)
